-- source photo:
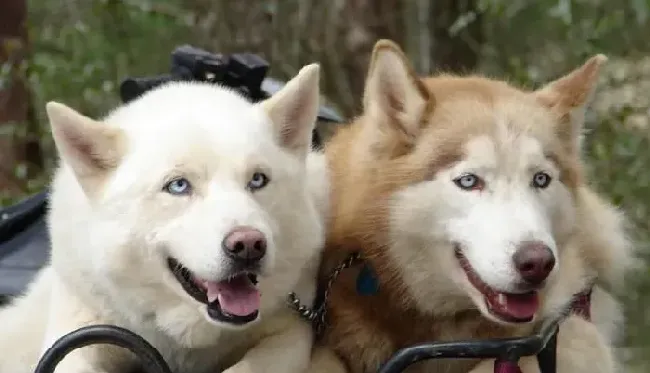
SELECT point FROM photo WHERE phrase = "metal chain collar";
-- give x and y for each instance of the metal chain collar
(317, 316)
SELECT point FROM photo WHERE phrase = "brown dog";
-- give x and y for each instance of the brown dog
(467, 200)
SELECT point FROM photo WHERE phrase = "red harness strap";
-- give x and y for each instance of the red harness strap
(505, 366)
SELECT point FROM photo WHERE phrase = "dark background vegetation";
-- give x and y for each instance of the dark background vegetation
(77, 52)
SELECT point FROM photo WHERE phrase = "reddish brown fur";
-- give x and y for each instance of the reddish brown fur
(366, 330)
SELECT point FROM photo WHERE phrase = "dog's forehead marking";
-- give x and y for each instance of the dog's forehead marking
(506, 146)
(520, 150)
(482, 148)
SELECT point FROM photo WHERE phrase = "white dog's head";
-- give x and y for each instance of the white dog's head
(478, 178)
(194, 187)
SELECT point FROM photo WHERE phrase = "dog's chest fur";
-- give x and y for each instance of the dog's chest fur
(366, 330)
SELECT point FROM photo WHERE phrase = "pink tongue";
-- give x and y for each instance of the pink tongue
(237, 296)
(521, 306)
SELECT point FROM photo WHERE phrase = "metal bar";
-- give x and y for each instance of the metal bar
(508, 348)
(152, 361)
(547, 358)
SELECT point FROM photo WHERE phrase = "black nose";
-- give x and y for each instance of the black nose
(245, 244)
(534, 261)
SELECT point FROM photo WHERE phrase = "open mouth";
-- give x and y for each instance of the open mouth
(234, 300)
(508, 307)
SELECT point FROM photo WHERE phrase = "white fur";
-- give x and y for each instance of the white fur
(113, 230)
(441, 212)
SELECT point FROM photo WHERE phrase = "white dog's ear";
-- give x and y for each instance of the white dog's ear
(90, 148)
(394, 97)
(568, 97)
(293, 110)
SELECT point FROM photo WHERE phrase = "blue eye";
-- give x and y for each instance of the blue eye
(541, 180)
(179, 186)
(258, 181)
(469, 182)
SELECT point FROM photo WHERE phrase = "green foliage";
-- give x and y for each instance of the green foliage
(535, 39)
(619, 163)
(83, 50)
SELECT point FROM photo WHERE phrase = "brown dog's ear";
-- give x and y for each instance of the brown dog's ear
(394, 97)
(92, 149)
(568, 96)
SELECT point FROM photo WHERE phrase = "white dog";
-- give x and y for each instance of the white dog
(186, 217)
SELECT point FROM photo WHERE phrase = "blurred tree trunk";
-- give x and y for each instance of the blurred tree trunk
(457, 30)
(339, 34)
(437, 35)
(16, 148)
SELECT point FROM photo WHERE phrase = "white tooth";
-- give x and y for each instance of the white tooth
(501, 299)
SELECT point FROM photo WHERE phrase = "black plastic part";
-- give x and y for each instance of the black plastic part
(152, 361)
(547, 358)
(16, 218)
(24, 243)
(132, 88)
(541, 344)
(197, 63)
(249, 70)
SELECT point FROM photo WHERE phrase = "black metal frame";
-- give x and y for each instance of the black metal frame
(15, 218)
(151, 359)
(542, 345)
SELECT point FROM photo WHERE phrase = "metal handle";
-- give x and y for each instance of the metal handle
(152, 361)
(541, 344)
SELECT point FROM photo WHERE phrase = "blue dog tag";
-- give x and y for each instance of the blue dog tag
(367, 281)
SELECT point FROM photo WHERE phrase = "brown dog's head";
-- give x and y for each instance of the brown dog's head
(466, 189)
